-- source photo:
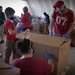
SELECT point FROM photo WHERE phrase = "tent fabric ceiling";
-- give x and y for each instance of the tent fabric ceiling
(40, 6)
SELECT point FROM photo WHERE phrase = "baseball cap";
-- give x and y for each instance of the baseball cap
(58, 4)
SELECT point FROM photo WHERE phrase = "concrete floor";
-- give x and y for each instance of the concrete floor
(71, 60)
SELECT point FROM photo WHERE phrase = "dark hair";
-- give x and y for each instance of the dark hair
(24, 45)
(25, 9)
(9, 11)
(45, 13)
(1, 7)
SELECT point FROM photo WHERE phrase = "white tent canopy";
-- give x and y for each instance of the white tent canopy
(36, 7)
(40, 6)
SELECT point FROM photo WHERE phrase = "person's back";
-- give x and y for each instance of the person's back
(26, 20)
(32, 66)
(47, 19)
(29, 65)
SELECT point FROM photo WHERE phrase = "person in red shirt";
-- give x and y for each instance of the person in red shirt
(62, 20)
(29, 65)
(10, 33)
(26, 19)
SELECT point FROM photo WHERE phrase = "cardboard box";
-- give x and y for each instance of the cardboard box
(35, 28)
(58, 47)
(72, 36)
(39, 28)
(6, 69)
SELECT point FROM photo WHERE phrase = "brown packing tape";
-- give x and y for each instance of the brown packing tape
(66, 40)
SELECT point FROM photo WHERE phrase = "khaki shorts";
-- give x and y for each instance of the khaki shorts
(9, 47)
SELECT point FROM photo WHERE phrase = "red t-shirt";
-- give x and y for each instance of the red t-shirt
(32, 66)
(62, 22)
(9, 25)
(26, 20)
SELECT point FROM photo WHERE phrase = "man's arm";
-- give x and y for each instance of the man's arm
(51, 63)
(71, 28)
(12, 32)
(72, 24)
(52, 21)
(49, 59)
(51, 25)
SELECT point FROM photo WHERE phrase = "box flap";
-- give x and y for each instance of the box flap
(44, 39)
(4, 66)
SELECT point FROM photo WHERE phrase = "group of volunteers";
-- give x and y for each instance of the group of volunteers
(61, 25)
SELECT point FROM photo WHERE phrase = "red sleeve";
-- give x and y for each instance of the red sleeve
(15, 63)
(47, 67)
(54, 15)
(9, 25)
(25, 17)
(71, 17)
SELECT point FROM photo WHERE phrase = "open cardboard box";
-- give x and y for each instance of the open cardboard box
(6, 69)
(58, 47)
(35, 27)
(39, 28)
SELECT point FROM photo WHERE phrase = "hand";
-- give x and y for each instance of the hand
(51, 34)
(47, 56)
(19, 29)
(66, 35)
